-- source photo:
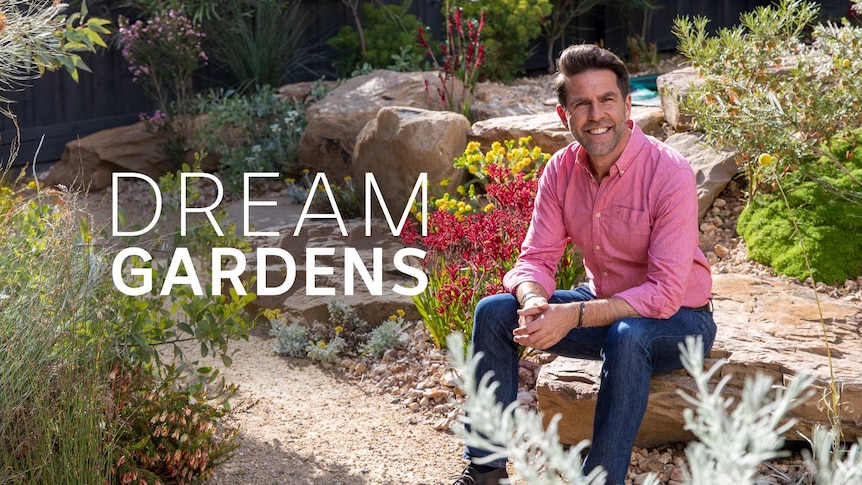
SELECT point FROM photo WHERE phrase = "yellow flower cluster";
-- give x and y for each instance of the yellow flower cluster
(272, 313)
(458, 207)
(515, 158)
(472, 158)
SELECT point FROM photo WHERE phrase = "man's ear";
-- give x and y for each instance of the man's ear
(562, 114)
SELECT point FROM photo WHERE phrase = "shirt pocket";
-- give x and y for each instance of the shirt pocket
(629, 232)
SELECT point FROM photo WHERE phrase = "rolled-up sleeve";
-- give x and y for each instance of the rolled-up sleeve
(546, 237)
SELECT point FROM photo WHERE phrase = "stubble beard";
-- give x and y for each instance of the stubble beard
(595, 148)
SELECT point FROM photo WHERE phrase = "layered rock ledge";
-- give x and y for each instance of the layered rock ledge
(764, 326)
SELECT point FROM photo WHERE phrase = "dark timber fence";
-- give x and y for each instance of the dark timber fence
(61, 110)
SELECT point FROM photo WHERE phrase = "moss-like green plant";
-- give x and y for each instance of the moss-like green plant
(828, 222)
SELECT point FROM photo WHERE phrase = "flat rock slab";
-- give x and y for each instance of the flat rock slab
(764, 326)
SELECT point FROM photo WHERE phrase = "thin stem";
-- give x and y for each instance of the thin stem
(835, 405)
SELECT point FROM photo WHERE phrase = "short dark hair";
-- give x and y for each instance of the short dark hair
(587, 57)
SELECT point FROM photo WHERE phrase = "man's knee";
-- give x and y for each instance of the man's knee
(495, 312)
(624, 337)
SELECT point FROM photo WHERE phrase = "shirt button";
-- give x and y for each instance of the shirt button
(604, 273)
(598, 248)
(598, 214)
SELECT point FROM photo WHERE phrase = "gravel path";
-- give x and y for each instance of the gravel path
(311, 425)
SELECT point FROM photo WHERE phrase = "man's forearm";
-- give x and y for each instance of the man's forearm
(601, 313)
(526, 288)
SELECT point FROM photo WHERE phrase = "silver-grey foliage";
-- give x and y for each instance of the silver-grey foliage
(733, 438)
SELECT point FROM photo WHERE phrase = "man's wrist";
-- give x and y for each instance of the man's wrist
(528, 296)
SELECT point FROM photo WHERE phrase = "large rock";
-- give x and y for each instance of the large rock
(400, 143)
(529, 96)
(650, 119)
(777, 334)
(89, 162)
(303, 92)
(673, 87)
(713, 169)
(545, 129)
(335, 121)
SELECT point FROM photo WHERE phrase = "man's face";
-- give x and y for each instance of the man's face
(596, 113)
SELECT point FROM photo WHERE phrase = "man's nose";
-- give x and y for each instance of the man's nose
(595, 112)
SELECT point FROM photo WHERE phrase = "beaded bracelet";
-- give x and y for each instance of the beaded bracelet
(581, 315)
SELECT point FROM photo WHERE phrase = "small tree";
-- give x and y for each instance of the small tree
(35, 37)
(564, 12)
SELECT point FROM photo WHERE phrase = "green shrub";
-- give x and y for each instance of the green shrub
(257, 132)
(783, 92)
(163, 53)
(260, 42)
(345, 197)
(390, 37)
(344, 333)
(327, 352)
(766, 89)
(165, 431)
(141, 327)
(510, 27)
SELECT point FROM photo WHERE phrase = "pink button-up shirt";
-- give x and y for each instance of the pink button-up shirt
(638, 230)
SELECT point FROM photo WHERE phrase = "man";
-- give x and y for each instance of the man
(629, 203)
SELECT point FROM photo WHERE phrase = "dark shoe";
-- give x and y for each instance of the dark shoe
(472, 476)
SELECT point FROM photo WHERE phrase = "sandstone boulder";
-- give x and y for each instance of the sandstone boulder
(530, 96)
(301, 91)
(673, 87)
(89, 162)
(650, 119)
(400, 143)
(713, 169)
(545, 129)
(335, 121)
(777, 333)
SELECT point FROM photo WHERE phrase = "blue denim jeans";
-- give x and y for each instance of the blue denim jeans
(631, 351)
